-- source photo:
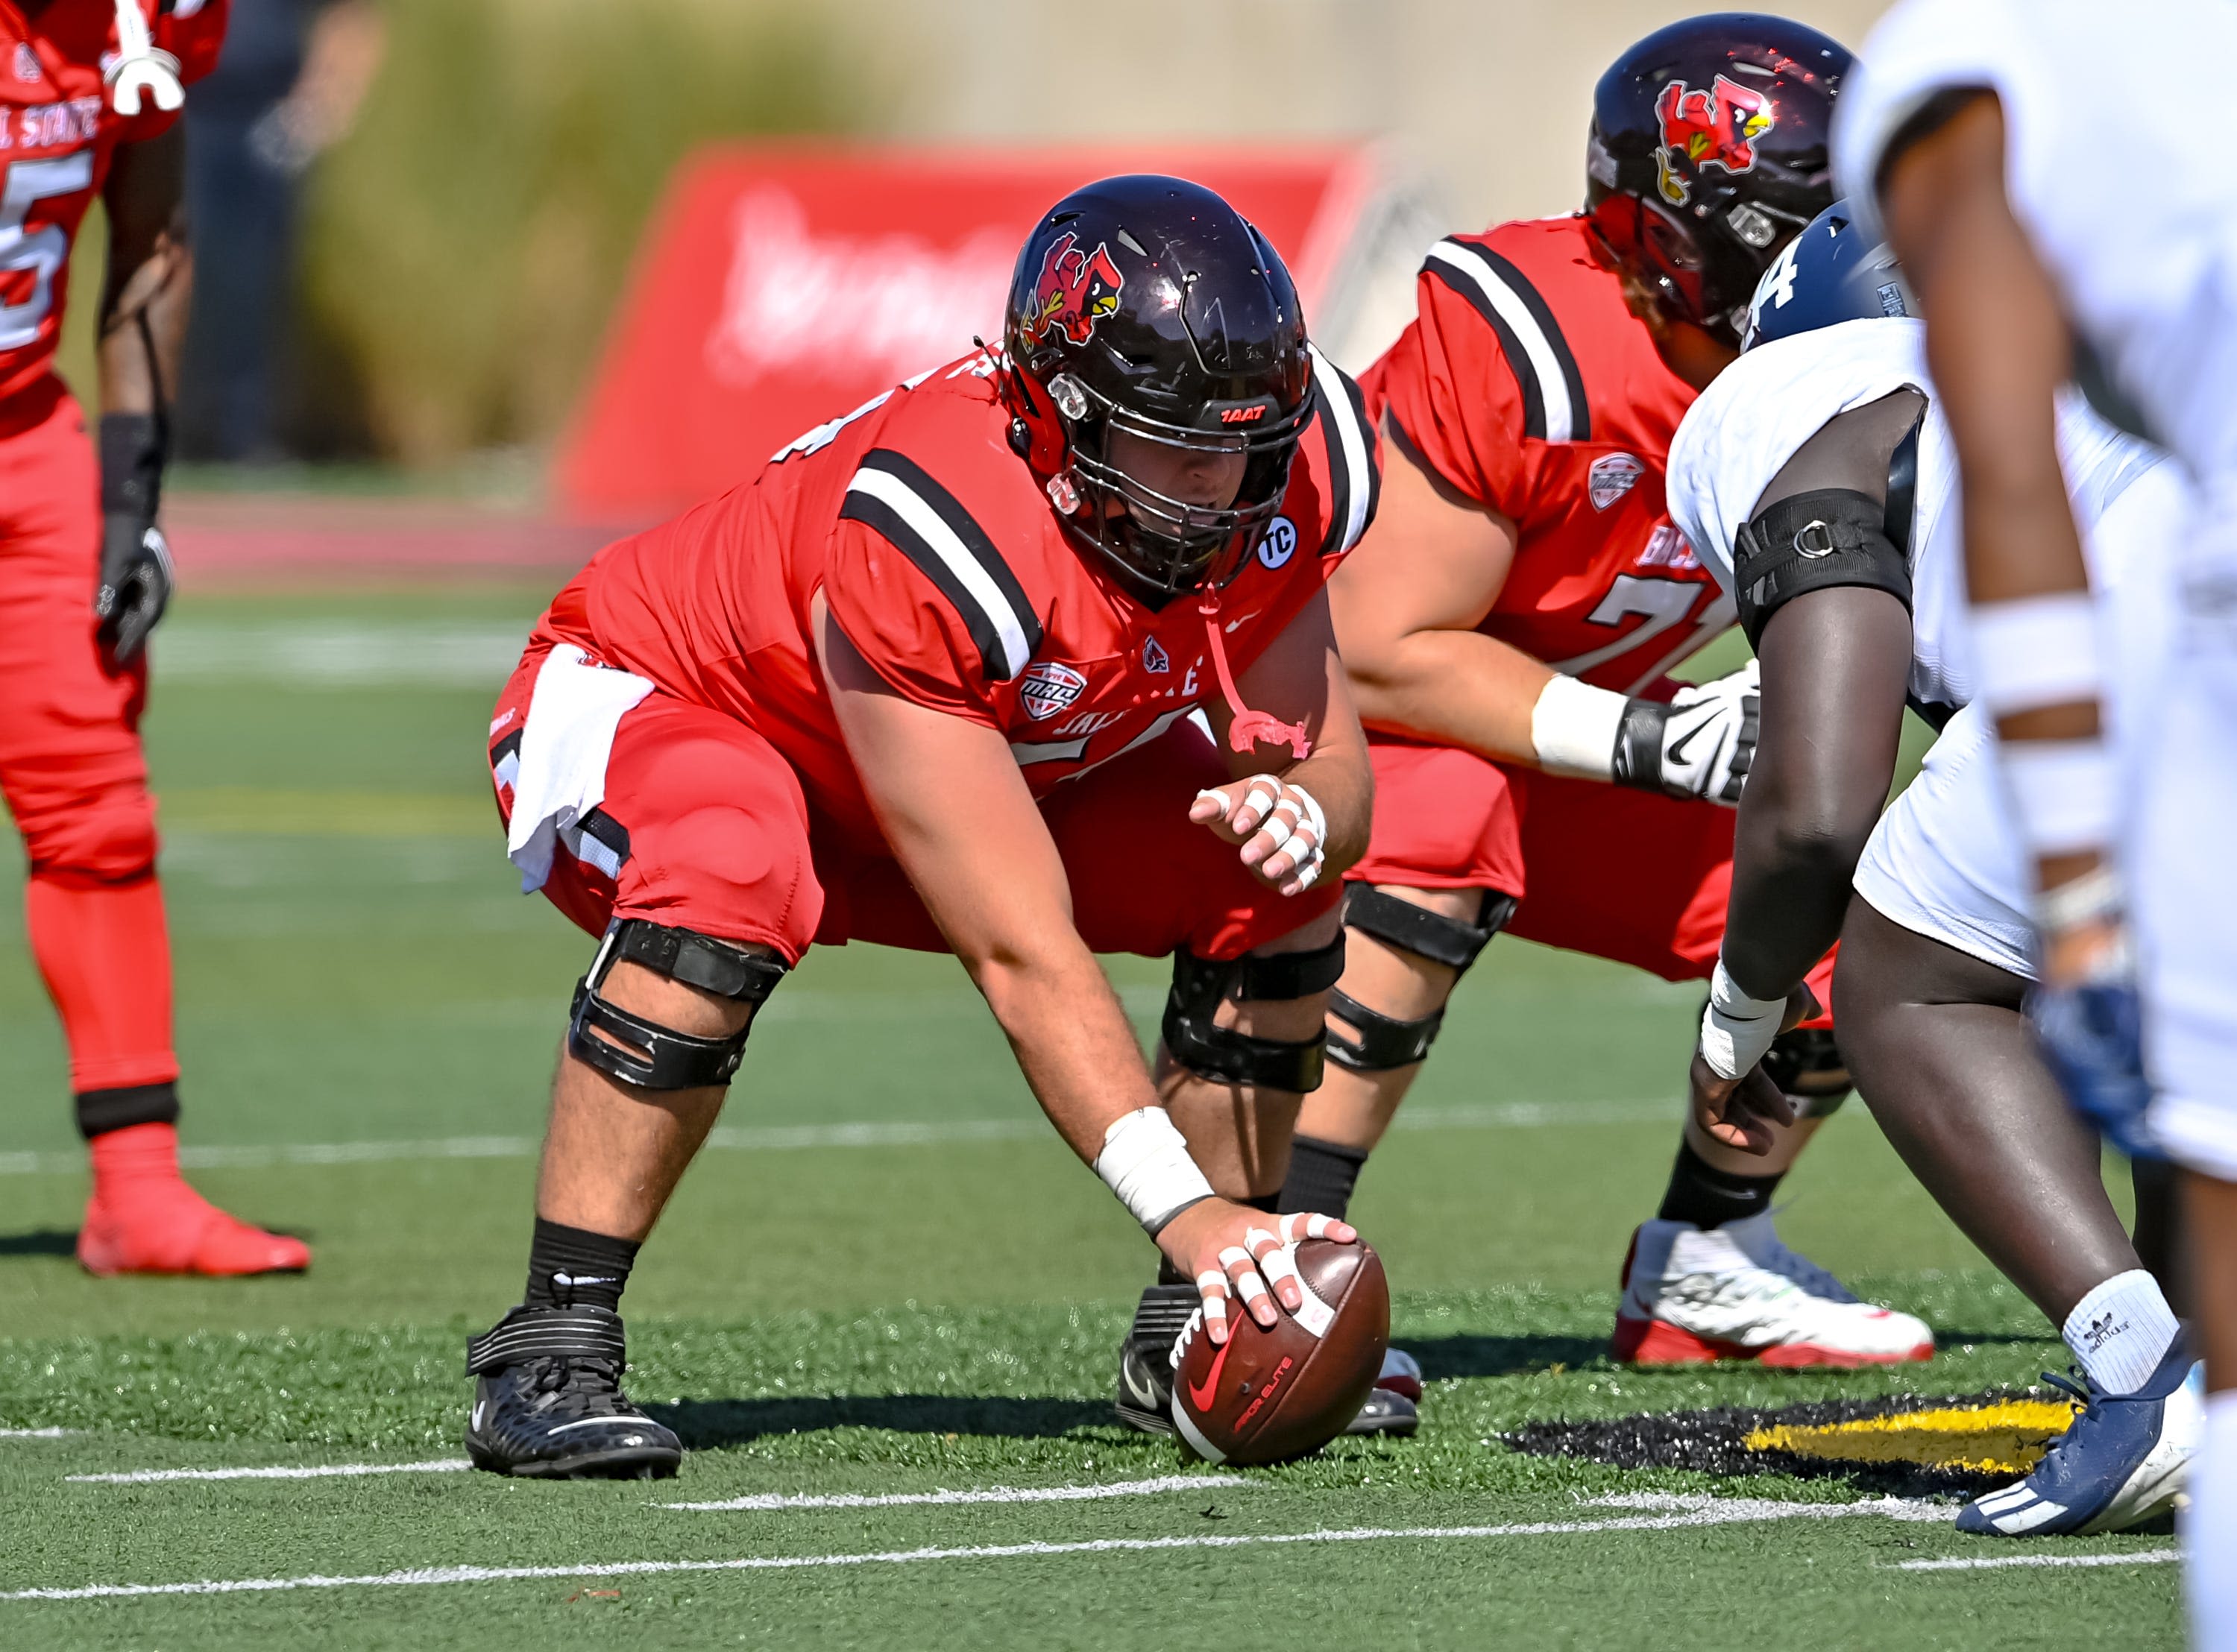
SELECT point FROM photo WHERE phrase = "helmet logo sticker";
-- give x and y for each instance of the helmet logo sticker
(1048, 688)
(1612, 477)
(1076, 290)
(1154, 657)
(1717, 128)
(1279, 544)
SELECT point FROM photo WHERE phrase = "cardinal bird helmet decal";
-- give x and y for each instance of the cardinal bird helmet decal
(1717, 128)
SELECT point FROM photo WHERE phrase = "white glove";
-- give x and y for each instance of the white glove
(1700, 744)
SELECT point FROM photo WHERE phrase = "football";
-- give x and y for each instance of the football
(1267, 1396)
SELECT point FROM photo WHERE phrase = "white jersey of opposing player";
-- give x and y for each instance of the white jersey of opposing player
(1760, 410)
(2111, 170)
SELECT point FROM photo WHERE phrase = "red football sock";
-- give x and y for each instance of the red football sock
(144, 1219)
(106, 956)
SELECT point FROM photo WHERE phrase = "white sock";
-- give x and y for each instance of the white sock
(2209, 1529)
(2121, 1332)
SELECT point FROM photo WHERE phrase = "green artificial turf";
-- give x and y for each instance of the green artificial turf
(930, 1301)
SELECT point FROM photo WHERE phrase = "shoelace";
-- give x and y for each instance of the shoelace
(2082, 1398)
(1249, 729)
(1794, 1265)
(584, 1384)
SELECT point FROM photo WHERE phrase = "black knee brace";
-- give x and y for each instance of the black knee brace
(648, 1054)
(1222, 1054)
(1806, 1065)
(1379, 1043)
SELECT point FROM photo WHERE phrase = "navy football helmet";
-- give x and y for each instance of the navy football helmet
(1831, 272)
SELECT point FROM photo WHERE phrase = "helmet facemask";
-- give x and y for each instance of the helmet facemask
(1166, 546)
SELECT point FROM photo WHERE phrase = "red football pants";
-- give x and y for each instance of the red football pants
(1633, 876)
(715, 835)
(71, 763)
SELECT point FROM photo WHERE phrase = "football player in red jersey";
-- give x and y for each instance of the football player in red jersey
(1508, 626)
(928, 680)
(89, 94)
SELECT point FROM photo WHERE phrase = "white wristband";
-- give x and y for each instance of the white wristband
(2063, 793)
(1573, 728)
(2037, 651)
(1147, 1163)
(1737, 1030)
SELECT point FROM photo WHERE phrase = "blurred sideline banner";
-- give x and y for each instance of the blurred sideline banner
(782, 286)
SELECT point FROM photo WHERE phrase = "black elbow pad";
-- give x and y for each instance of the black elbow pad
(1812, 541)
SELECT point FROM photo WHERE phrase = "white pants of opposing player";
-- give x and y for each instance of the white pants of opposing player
(1945, 863)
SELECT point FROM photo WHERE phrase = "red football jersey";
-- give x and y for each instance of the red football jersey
(1526, 382)
(945, 564)
(58, 129)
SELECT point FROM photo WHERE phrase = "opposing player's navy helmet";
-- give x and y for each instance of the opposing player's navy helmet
(1831, 272)
(1147, 307)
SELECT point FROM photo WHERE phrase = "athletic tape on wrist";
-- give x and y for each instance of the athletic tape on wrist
(2037, 651)
(1737, 1030)
(1145, 1162)
(2094, 897)
(1574, 726)
(2063, 793)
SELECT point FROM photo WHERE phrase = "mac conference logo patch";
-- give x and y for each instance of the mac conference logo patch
(1049, 688)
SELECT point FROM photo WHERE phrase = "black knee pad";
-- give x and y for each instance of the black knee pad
(1806, 1065)
(649, 1054)
(1226, 1057)
(1422, 932)
(1377, 1043)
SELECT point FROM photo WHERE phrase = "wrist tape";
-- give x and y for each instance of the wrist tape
(2037, 651)
(2064, 793)
(1737, 1030)
(1573, 728)
(1147, 1163)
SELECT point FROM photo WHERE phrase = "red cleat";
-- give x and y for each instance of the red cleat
(144, 1219)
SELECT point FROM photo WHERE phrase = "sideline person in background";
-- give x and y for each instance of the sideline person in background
(84, 574)
(288, 88)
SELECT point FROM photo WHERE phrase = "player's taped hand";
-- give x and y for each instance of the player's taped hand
(135, 582)
(1235, 1257)
(1282, 828)
(1701, 744)
(2088, 1013)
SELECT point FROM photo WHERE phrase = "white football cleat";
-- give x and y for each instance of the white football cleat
(1694, 1295)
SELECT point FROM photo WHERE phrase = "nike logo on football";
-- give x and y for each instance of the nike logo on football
(1201, 1397)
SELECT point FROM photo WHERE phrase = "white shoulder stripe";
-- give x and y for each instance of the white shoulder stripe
(1350, 443)
(943, 542)
(1545, 361)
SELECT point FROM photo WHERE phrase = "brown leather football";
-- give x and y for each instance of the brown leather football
(1268, 1396)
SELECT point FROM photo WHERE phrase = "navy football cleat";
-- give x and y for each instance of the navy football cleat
(2120, 1463)
(549, 1406)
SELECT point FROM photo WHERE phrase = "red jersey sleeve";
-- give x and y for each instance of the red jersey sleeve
(1337, 479)
(922, 589)
(194, 32)
(1450, 388)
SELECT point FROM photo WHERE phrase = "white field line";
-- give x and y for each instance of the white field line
(2133, 1558)
(1703, 1512)
(770, 1500)
(35, 1433)
(780, 1138)
(315, 1471)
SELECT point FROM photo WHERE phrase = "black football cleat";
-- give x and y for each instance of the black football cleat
(549, 1406)
(1387, 1413)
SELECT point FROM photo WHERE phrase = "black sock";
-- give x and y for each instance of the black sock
(573, 1267)
(1322, 1176)
(1708, 1197)
(100, 1111)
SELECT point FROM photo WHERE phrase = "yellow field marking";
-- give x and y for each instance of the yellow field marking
(250, 811)
(2006, 1437)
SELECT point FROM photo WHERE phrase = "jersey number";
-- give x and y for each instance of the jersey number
(40, 251)
(1663, 603)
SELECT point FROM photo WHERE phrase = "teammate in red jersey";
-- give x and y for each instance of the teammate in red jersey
(927, 680)
(1508, 626)
(89, 94)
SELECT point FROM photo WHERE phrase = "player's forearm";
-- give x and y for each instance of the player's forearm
(1070, 1035)
(141, 328)
(1455, 688)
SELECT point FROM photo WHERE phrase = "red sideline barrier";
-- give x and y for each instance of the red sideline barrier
(780, 286)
